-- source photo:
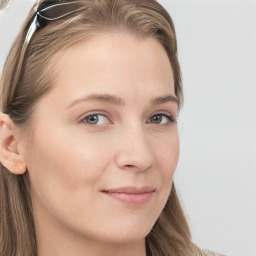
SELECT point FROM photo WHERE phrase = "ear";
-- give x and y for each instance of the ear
(10, 146)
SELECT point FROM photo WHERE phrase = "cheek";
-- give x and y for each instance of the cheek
(58, 165)
(167, 156)
(166, 159)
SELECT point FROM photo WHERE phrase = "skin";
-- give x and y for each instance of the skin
(71, 160)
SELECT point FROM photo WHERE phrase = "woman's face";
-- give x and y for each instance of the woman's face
(105, 142)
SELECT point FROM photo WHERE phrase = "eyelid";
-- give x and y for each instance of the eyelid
(169, 116)
(93, 113)
(167, 113)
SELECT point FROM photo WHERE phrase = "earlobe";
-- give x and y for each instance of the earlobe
(10, 156)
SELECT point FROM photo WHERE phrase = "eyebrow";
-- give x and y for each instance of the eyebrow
(115, 100)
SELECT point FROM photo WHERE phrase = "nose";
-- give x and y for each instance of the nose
(133, 150)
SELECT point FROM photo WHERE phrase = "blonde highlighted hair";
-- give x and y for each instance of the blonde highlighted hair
(22, 87)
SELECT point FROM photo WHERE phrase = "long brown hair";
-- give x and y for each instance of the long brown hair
(20, 92)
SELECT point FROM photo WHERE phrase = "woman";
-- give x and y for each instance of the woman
(90, 93)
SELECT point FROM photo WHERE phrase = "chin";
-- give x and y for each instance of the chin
(128, 235)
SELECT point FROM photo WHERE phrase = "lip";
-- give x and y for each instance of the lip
(130, 194)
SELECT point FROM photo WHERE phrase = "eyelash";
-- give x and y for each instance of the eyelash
(170, 118)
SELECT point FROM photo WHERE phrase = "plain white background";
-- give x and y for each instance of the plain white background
(216, 176)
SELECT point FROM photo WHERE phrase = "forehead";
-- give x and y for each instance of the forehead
(114, 63)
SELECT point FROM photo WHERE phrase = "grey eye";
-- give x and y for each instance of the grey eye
(94, 119)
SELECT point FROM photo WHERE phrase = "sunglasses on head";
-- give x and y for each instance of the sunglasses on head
(47, 11)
